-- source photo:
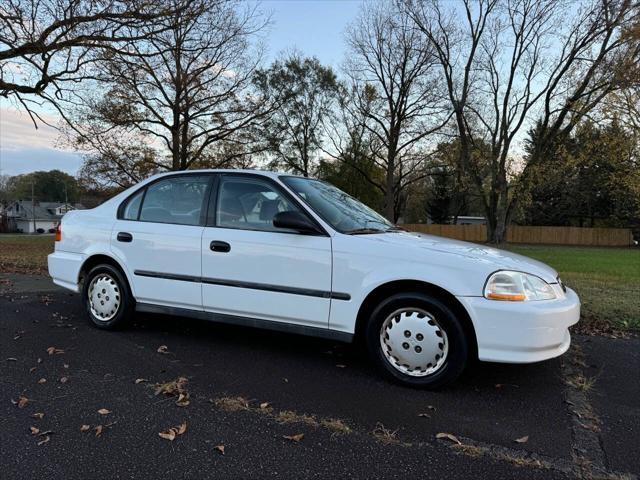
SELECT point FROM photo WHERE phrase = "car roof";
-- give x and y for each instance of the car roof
(264, 173)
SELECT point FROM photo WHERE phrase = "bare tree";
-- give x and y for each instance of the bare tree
(395, 91)
(173, 99)
(46, 46)
(507, 62)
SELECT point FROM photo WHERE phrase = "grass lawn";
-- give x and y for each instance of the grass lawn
(607, 279)
(25, 253)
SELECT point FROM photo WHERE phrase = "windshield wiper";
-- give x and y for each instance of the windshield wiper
(363, 231)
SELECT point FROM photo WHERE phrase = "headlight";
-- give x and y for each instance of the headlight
(517, 287)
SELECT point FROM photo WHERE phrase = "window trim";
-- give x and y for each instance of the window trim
(212, 220)
(144, 188)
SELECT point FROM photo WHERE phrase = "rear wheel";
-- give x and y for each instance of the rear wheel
(417, 340)
(107, 298)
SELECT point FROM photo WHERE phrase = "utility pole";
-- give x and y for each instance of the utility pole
(33, 205)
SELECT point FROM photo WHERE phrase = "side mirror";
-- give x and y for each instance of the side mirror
(293, 220)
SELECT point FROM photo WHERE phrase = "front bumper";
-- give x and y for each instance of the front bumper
(522, 332)
(64, 269)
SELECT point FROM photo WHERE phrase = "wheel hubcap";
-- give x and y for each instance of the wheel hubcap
(104, 297)
(413, 342)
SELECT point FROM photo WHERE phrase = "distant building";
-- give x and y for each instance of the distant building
(20, 215)
(468, 220)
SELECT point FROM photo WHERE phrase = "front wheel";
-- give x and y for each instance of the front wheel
(107, 297)
(417, 340)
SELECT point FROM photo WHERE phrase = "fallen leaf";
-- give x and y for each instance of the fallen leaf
(294, 438)
(140, 380)
(85, 428)
(183, 400)
(65, 365)
(424, 415)
(449, 436)
(46, 439)
(34, 430)
(339, 365)
(173, 432)
(524, 439)
(431, 407)
(32, 369)
(38, 415)
(12, 359)
(104, 411)
(220, 448)
(163, 349)
(39, 360)
(264, 405)
(98, 430)
(22, 401)
(64, 379)
(168, 435)
(54, 351)
(42, 380)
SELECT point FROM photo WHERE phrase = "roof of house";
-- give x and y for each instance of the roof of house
(23, 210)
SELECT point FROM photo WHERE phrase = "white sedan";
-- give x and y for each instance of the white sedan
(295, 254)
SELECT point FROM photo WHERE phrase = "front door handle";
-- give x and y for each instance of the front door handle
(124, 237)
(218, 246)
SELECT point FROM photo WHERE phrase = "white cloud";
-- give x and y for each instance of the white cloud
(17, 131)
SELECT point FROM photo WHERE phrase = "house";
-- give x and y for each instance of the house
(22, 215)
(470, 220)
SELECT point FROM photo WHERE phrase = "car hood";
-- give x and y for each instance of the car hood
(492, 258)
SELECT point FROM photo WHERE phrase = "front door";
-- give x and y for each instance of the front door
(158, 236)
(251, 268)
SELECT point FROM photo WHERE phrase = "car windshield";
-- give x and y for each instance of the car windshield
(341, 211)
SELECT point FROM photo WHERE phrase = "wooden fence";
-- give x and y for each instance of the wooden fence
(602, 237)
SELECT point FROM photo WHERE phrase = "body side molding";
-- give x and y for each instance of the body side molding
(250, 285)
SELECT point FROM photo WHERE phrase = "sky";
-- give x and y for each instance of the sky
(315, 27)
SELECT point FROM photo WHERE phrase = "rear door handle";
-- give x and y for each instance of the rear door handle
(124, 237)
(218, 246)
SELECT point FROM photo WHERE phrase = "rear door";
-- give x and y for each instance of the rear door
(251, 268)
(158, 237)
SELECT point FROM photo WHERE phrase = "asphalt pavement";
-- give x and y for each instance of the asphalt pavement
(259, 404)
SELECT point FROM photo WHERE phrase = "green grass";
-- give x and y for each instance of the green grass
(606, 279)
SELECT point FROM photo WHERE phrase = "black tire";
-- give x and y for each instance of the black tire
(125, 302)
(458, 348)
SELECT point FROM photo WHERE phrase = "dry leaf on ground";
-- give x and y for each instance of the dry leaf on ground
(524, 439)
(98, 430)
(449, 436)
(183, 400)
(42, 380)
(34, 430)
(220, 448)
(22, 401)
(54, 351)
(38, 415)
(264, 405)
(173, 432)
(45, 440)
(64, 379)
(140, 380)
(163, 349)
(294, 438)
(104, 411)
(85, 428)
